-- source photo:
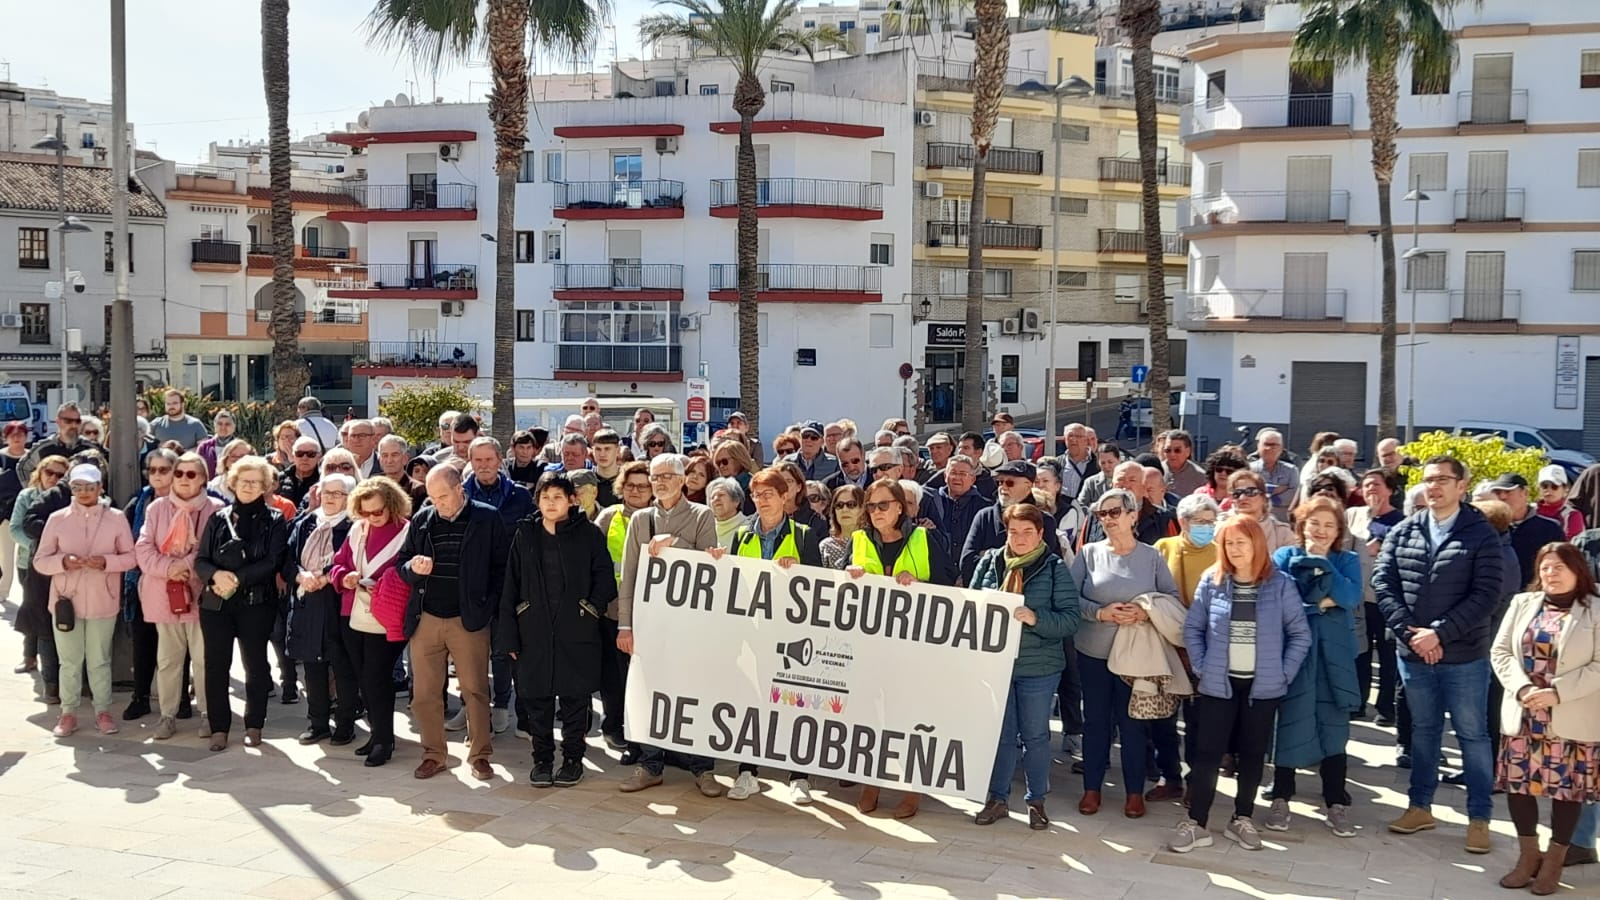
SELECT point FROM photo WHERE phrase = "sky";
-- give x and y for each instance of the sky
(194, 66)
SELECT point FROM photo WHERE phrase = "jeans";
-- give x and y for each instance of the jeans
(1237, 722)
(1027, 719)
(251, 626)
(1459, 689)
(654, 760)
(1584, 836)
(1105, 708)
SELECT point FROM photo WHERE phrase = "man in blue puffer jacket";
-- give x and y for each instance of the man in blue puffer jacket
(1438, 579)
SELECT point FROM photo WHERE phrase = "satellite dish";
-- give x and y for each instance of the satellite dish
(402, 100)
(361, 120)
(388, 103)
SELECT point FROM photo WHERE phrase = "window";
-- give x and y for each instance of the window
(1070, 278)
(1586, 270)
(882, 249)
(1072, 206)
(552, 246)
(1216, 89)
(1429, 171)
(1010, 365)
(1005, 132)
(111, 263)
(1589, 69)
(527, 247)
(33, 248)
(1589, 168)
(88, 140)
(1423, 87)
(708, 90)
(1426, 272)
(880, 331)
(525, 171)
(35, 323)
(525, 320)
(552, 165)
(1167, 90)
(874, 28)
(782, 87)
(618, 336)
(847, 26)
(953, 282)
(551, 318)
(1072, 132)
(1125, 289)
(809, 23)
(883, 167)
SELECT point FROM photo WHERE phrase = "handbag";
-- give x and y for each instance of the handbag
(361, 617)
(179, 598)
(66, 615)
(1150, 705)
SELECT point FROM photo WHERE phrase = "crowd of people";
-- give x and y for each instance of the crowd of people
(1224, 617)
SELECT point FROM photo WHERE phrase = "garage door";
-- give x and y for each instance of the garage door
(1591, 405)
(1326, 396)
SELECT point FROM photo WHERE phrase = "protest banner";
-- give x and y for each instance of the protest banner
(807, 669)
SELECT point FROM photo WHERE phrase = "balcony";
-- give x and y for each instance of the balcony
(1127, 170)
(1120, 240)
(1261, 310)
(409, 281)
(609, 281)
(802, 198)
(996, 236)
(802, 283)
(950, 75)
(1492, 108)
(1008, 160)
(1488, 207)
(414, 359)
(1301, 111)
(215, 256)
(431, 202)
(1282, 211)
(1491, 310)
(643, 360)
(618, 200)
(301, 251)
(1120, 93)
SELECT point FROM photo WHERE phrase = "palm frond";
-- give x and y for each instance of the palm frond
(741, 31)
(438, 34)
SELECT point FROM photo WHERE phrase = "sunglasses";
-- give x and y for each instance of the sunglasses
(1241, 493)
(91, 434)
(655, 445)
(187, 474)
(306, 454)
(882, 505)
(1108, 514)
(370, 513)
(847, 504)
(816, 498)
(159, 470)
(724, 462)
(66, 421)
(342, 467)
(886, 467)
(1550, 486)
(52, 473)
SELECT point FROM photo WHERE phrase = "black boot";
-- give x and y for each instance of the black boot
(379, 755)
(138, 708)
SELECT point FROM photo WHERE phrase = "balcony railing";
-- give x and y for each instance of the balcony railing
(321, 251)
(1301, 306)
(1234, 207)
(223, 252)
(618, 195)
(1014, 160)
(1491, 107)
(1277, 111)
(784, 277)
(1489, 205)
(1123, 169)
(396, 197)
(1123, 92)
(1485, 305)
(1120, 240)
(324, 316)
(802, 192)
(995, 235)
(950, 70)
(415, 354)
(618, 277)
(418, 277)
(641, 358)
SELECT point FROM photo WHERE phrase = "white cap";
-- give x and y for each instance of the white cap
(84, 473)
(1553, 474)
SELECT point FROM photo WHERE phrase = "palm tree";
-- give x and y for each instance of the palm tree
(743, 32)
(289, 374)
(991, 42)
(1141, 20)
(438, 33)
(1343, 34)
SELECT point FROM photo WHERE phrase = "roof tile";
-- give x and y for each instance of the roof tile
(32, 186)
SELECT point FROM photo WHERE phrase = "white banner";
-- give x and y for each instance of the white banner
(812, 671)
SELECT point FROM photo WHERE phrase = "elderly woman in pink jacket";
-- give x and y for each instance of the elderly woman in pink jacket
(169, 589)
(84, 550)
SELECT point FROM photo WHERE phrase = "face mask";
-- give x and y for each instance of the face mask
(1202, 535)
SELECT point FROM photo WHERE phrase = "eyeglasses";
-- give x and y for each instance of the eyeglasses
(1172, 451)
(335, 494)
(1440, 480)
(881, 506)
(664, 477)
(66, 421)
(635, 486)
(362, 434)
(1009, 483)
(187, 474)
(885, 467)
(341, 467)
(1106, 515)
(52, 473)
(816, 498)
(763, 495)
(79, 487)
(1241, 493)
(307, 454)
(1550, 486)
(159, 470)
(249, 482)
(847, 504)
(371, 513)
(654, 445)
(91, 434)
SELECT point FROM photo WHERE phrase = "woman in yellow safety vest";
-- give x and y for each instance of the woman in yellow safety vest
(888, 543)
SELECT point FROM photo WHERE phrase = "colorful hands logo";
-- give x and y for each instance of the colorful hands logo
(800, 700)
(836, 704)
(777, 695)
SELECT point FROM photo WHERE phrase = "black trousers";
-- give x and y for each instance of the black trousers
(144, 639)
(542, 713)
(1380, 647)
(1069, 694)
(372, 659)
(251, 626)
(1249, 725)
(613, 679)
(1334, 771)
(36, 590)
(288, 674)
(319, 705)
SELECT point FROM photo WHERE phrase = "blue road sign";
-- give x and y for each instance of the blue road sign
(1140, 373)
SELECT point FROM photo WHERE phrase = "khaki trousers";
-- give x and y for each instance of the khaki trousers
(173, 642)
(435, 642)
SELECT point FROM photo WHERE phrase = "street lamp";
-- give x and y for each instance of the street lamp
(57, 144)
(1064, 87)
(1415, 198)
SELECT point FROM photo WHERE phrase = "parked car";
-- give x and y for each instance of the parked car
(1522, 436)
(1144, 418)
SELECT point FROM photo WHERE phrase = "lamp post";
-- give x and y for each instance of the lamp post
(1415, 198)
(67, 225)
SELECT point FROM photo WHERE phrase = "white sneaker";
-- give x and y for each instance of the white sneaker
(800, 791)
(744, 787)
(457, 722)
(501, 719)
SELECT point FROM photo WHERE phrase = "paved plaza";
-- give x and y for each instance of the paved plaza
(127, 817)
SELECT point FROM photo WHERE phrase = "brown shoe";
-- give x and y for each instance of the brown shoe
(219, 741)
(1133, 807)
(1037, 820)
(428, 769)
(639, 780)
(1527, 864)
(868, 801)
(992, 812)
(1090, 804)
(1162, 793)
(1581, 856)
(481, 770)
(1549, 878)
(1413, 820)
(709, 785)
(909, 804)
(252, 737)
(1478, 836)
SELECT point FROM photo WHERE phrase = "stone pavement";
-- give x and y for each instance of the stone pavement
(125, 816)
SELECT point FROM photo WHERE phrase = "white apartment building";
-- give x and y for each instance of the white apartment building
(1284, 266)
(28, 114)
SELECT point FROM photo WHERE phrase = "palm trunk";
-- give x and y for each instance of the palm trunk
(748, 99)
(991, 48)
(505, 309)
(290, 377)
(1382, 91)
(506, 23)
(1146, 24)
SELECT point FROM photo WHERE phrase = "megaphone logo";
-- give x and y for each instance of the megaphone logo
(799, 651)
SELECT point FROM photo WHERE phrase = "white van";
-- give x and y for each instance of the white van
(1526, 436)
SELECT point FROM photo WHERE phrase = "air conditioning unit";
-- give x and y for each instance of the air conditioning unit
(666, 145)
(1009, 326)
(452, 307)
(933, 190)
(155, 345)
(10, 320)
(449, 152)
(927, 118)
(1030, 320)
(688, 323)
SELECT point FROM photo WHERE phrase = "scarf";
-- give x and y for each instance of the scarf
(183, 533)
(317, 554)
(1015, 565)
